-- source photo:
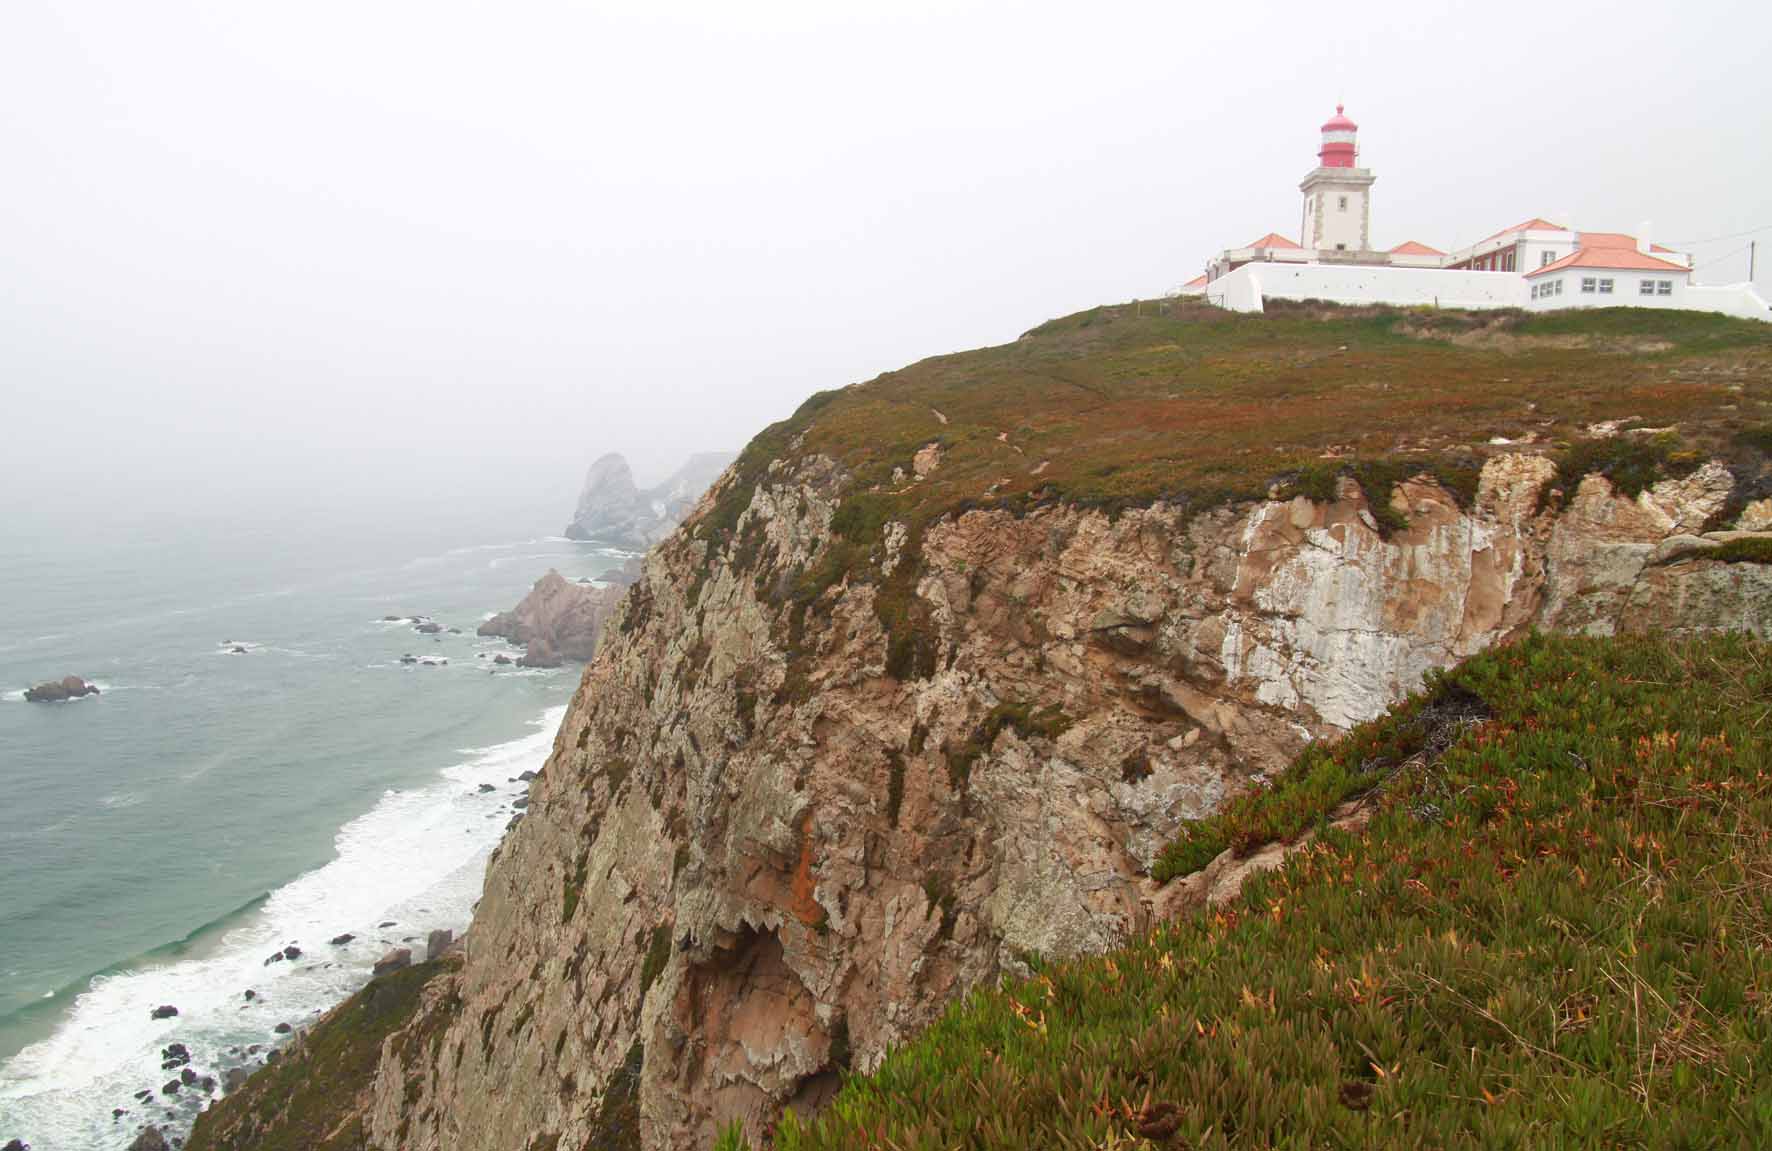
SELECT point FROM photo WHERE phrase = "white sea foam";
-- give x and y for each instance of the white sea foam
(416, 858)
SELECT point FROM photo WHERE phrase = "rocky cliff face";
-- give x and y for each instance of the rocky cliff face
(613, 510)
(777, 836)
(558, 620)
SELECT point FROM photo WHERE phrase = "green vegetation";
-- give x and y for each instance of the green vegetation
(1552, 933)
(307, 1100)
(1123, 406)
(1324, 777)
(658, 953)
(1746, 551)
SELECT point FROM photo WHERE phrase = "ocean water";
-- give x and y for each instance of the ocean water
(159, 841)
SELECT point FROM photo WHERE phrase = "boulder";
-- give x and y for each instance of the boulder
(486, 787)
(251, 995)
(16, 1145)
(438, 942)
(501, 658)
(388, 923)
(276, 957)
(187, 1077)
(164, 1011)
(341, 940)
(292, 952)
(526, 776)
(409, 658)
(171, 1087)
(520, 803)
(237, 650)
(428, 628)
(54, 691)
(393, 961)
(283, 1029)
(150, 1139)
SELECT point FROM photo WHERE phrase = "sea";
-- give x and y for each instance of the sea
(261, 769)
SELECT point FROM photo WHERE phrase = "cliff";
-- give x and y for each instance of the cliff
(613, 510)
(932, 679)
(558, 620)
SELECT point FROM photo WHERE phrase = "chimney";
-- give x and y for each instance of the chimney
(1643, 244)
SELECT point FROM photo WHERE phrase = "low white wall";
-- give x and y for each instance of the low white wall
(1244, 289)
(1730, 299)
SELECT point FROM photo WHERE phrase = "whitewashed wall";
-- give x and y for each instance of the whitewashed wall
(1244, 289)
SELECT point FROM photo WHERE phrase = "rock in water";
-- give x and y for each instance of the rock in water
(150, 1139)
(558, 620)
(341, 940)
(164, 1011)
(54, 691)
(611, 509)
(16, 1145)
(438, 942)
(393, 961)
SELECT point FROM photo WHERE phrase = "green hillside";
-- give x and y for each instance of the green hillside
(1180, 400)
(1553, 933)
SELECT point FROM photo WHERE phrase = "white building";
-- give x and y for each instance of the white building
(1538, 265)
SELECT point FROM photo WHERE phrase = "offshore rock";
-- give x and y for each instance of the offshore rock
(558, 620)
(612, 510)
(54, 691)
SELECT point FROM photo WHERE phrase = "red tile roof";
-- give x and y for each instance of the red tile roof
(1605, 240)
(1414, 248)
(1272, 240)
(1535, 224)
(1617, 259)
(1198, 281)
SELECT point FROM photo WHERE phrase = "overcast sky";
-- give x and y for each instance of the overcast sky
(260, 254)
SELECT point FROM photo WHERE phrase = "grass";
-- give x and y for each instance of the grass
(1743, 551)
(1553, 933)
(307, 1100)
(1178, 401)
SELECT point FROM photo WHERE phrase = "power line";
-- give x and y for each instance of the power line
(1731, 236)
(1720, 259)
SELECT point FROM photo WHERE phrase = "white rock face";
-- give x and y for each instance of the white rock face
(755, 858)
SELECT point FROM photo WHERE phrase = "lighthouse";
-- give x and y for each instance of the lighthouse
(1338, 192)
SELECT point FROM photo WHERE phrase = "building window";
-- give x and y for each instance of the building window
(1534, 291)
(1646, 288)
(1546, 258)
(1341, 247)
(1559, 287)
(1605, 287)
(1664, 287)
(1588, 284)
(1344, 203)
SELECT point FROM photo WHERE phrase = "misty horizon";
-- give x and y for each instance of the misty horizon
(335, 260)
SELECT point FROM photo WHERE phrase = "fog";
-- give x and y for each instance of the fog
(428, 259)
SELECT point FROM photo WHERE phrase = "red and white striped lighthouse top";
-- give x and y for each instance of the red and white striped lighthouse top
(1338, 149)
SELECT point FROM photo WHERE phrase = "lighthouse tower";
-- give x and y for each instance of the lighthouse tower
(1337, 193)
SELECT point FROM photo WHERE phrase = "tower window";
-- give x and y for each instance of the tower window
(1341, 247)
(1344, 203)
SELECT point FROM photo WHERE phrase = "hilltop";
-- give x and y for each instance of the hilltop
(1035, 653)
